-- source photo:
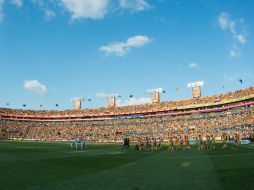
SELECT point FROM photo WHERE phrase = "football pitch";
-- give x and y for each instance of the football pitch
(41, 165)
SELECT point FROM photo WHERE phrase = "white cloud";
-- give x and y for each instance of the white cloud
(1, 10)
(18, 3)
(234, 51)
(138, 41)
(241, 38)
(35, 86)
(193, 65)
(118, 49)
(121, 48)
(134, 5)
(78, 9)
(237, 28)
(93, 9)
(224, 21)
(134, 101)
(49, 14)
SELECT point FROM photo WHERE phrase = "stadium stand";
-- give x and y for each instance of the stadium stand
(231, 112)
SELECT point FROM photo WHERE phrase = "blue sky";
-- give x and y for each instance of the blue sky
(54, 50)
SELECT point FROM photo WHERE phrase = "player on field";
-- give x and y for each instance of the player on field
(159, 140)
(171, 144)
(154, 144)
(210, 141)
(148, 144)
(177, 143)
(202, 143)
(181, 142)
(237, 140)
(199, 142)
(125, 144)
(224, 140)
(213, 142)
(139, 144)
(187, 143)
(207, 141)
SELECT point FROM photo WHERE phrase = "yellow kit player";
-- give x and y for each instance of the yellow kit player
(237, 140)
(224, 140)
(154, 145)
(213, 142)
(207, 141)
(139, 144)
(187, 143)
(171, 144)
(177, 142)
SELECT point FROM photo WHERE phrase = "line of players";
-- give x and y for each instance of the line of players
(208, 143)
(147, 144)
(181, 142)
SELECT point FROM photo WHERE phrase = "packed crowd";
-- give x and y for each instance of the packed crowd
(238, 120)
(208, 100)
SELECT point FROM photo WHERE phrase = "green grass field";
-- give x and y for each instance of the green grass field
(39, 165)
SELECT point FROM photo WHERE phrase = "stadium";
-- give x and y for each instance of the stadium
(126, 94)
(230, 114)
